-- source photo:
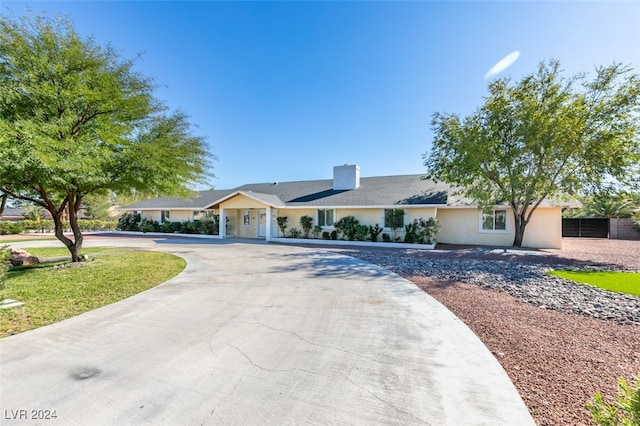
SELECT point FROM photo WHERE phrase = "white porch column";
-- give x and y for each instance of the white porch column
(223, 224)
(269, 221)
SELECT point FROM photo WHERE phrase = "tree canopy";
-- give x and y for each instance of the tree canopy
(542, 137)
(77, 119)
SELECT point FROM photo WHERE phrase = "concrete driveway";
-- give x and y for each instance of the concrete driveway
(255, 333)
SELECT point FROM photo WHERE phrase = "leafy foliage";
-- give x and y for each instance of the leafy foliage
(5, 253)
(347, 226)
(541, 137)
(295, 233)
(282, 224)
(624, 411)
(607, 204)
(76, 119)
(374, 231)
(129, 222)
(306, 222)
(394, 219)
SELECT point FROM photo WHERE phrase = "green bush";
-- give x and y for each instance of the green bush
(209, 226)
(148, 225)
(295, 233)
(374, 231)
(624, 411)
(334, 235)
(426, 231)
(362, 233)
(317, 230)
(410, 233)
(306, 222)
(347, 226)
(128, 222)
(386, 238)
(282, 224)
(8, 228)
(326, 235)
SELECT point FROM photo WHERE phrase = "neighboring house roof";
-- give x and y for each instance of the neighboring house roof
(381, 191)
(13, 214)
(200, 201)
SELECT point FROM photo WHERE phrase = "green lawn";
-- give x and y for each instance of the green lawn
(45, 252)
(52, 294)
(621, 282)
(22, 240)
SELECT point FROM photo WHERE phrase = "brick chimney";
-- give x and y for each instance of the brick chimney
(346, 177)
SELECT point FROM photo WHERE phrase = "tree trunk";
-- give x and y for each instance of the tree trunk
(77, 233)
(59, 232)
(519, 226)
(3, 202)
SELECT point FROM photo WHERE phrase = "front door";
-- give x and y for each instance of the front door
(262, 223)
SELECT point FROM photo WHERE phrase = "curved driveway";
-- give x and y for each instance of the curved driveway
(256, 333)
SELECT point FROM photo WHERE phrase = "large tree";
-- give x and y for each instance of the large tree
(77, 119)
(542, 137)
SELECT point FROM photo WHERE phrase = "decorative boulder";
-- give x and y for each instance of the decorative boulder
(21, 257)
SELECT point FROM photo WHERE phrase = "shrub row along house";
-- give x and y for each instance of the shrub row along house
(252, 210)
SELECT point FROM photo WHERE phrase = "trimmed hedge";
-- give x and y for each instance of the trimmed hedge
(133, 222)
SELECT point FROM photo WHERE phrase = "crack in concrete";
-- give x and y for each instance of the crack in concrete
(271, 370)
(384, 401)
(309, 342)
(373, 394)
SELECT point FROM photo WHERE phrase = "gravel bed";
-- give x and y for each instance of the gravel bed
(525, 280)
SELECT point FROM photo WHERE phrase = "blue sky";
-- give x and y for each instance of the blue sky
(286, 90)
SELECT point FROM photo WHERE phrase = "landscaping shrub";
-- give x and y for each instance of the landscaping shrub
(410, 233)
(386, 238)
(129, 222)
(209, 226)
(334, 235)
(326, 235)
(426, 231)
(282, 224)
(347, 226)
(148, 225)
(295, 233)
(362, 232)
(317, 230)
(624, 411)
(374, 231)
(306, 222)
(8, 228)
(191, 228)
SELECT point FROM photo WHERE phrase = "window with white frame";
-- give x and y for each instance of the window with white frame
(495, 220)
(325, 217)
(165, 216)
(393, 218)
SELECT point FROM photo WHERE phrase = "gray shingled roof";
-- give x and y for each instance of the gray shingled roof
(381, 191)
(201, 200)
(373, 191)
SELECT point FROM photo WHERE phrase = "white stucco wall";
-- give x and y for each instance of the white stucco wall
(180, 215)
(151, 215)
(461, 226)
